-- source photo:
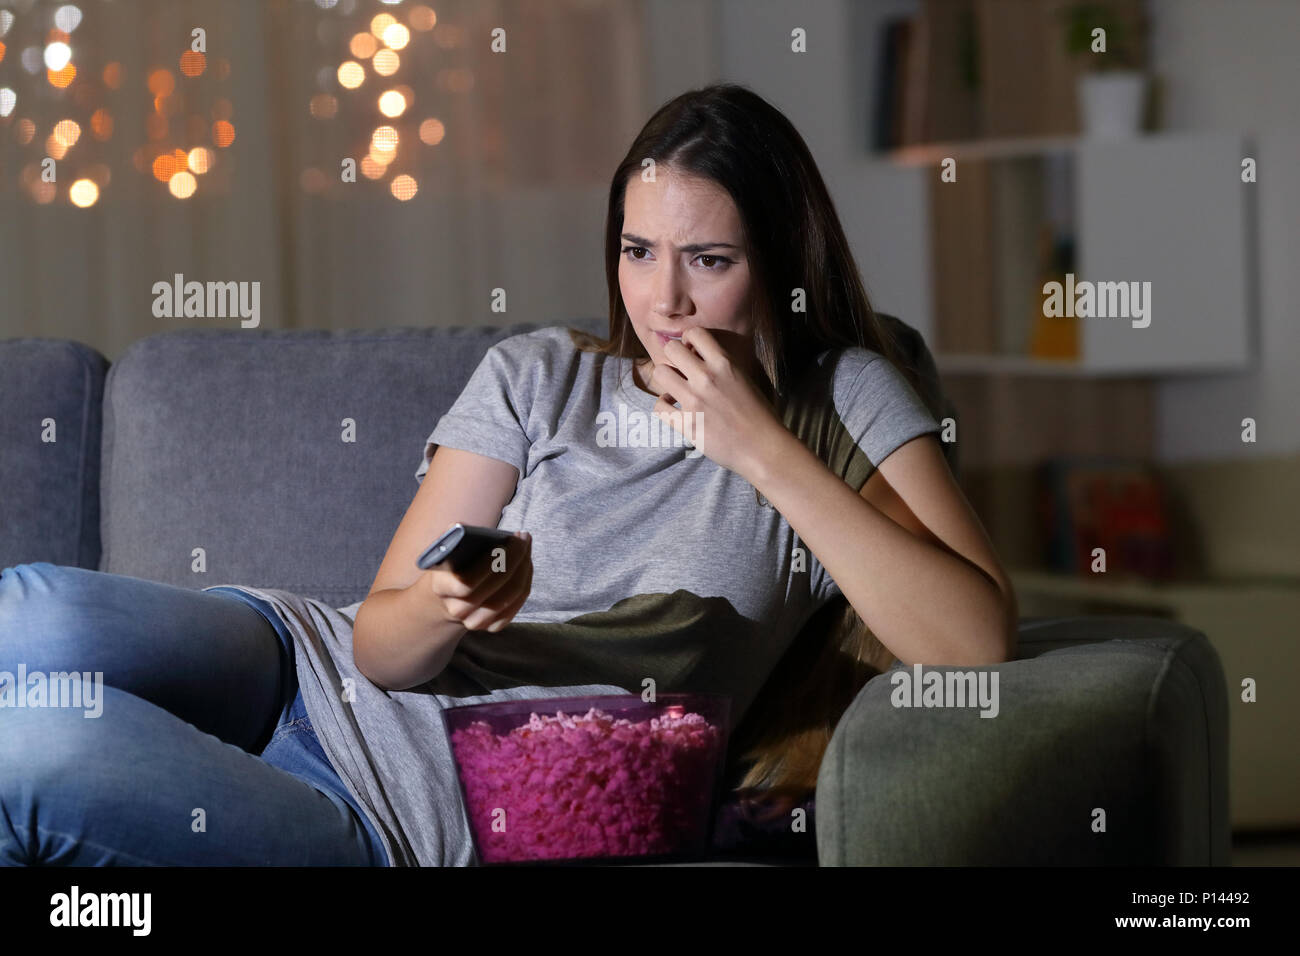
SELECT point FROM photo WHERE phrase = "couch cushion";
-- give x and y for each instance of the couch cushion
(49, 505)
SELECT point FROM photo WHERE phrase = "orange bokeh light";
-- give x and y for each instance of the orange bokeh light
(161, 83)
(432, 131)
(101, 124)
(61, 78)
(67, 132)
(193, 62)
(403, 187)
(223, 133)
(422, 18)
(164, 167)
(363, 46)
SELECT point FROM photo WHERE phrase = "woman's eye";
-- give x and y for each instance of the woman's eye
(718, 267)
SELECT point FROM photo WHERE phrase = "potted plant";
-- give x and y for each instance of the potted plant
(1112, 89)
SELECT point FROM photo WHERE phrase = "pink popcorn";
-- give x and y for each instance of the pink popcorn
(588, 786)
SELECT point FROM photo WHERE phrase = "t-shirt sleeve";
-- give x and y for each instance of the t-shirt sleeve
(490, 415)
(879, 411)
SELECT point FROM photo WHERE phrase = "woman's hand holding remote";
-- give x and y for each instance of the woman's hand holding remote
(487, 595)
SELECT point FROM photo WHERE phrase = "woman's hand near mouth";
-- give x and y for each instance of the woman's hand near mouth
(726, 417)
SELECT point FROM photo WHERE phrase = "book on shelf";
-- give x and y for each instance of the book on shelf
(1116, 505)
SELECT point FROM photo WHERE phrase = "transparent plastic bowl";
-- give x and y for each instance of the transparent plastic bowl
(614, 778)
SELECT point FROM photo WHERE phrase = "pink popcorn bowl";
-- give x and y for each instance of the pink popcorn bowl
(584, 779)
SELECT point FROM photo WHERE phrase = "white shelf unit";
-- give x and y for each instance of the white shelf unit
(1166, 208)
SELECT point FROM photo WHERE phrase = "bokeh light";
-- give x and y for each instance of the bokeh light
(162, 83)
(101, 124)
(182, 184)
(351, 74)
(384, 142)
(396, 36)
(323, 106)
(193, 63)
(392, 104)
(422, 18)
(403, 187)
(363, 46)
(67, 132)
(164, 167)
(199, 160)
(432, 131)
(62, 78)
(67, 17)
(386, 62)
(223, 133)
(57, 56)
(83, 193)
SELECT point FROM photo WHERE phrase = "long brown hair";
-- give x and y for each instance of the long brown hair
(730, 135)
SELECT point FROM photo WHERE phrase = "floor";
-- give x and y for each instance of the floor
(1266, 849)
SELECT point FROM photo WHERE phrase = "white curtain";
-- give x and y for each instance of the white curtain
(509, 181)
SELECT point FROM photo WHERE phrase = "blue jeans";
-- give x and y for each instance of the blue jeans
(196, 750)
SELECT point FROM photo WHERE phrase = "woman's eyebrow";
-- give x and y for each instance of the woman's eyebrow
(693, 247)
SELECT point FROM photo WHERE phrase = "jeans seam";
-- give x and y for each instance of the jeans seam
(292, 727)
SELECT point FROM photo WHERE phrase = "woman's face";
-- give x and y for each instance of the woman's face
(683, 264)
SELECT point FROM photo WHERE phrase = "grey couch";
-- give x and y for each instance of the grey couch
(229, 441)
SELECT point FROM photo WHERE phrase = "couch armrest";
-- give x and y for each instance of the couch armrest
(1126, 714)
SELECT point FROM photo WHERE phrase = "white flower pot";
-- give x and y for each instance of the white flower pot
(1111, 103)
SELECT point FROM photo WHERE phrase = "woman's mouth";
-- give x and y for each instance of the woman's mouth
(664, 339)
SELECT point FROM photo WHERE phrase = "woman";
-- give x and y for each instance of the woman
(812, 483)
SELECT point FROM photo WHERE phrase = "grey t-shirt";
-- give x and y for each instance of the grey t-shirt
(650, 563)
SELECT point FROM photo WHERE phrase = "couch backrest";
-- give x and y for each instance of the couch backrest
(233, 442)
(50, 411)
